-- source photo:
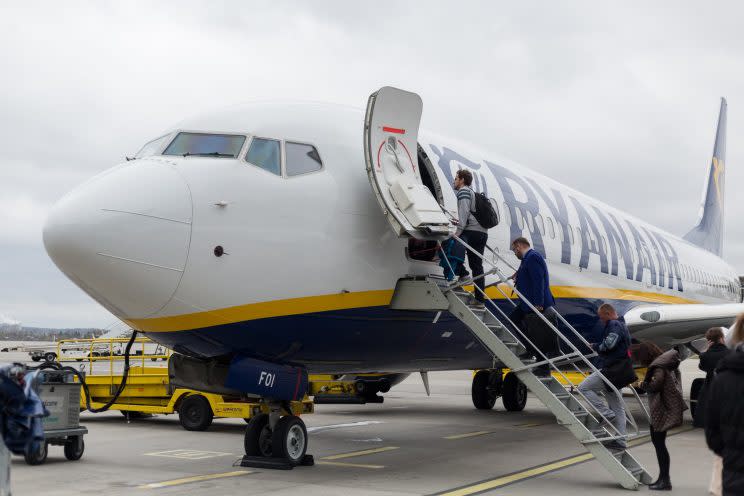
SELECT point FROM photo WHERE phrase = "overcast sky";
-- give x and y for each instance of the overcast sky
(618, 101)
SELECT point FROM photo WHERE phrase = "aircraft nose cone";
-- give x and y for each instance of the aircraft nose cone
(123, 236)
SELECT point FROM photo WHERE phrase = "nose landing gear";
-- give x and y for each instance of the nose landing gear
(276, 440)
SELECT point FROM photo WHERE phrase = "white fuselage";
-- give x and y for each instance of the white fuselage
(313, 252)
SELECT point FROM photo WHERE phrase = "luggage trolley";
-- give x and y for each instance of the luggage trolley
(61, 396)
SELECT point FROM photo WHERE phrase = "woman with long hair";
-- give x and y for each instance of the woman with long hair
(663, 383)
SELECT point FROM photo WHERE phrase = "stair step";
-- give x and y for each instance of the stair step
(489, 327)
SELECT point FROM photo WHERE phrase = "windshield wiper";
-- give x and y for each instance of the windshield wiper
(210, 154)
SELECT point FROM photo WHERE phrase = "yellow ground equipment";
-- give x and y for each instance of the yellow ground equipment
(148, 390)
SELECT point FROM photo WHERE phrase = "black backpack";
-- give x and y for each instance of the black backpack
(484, 212)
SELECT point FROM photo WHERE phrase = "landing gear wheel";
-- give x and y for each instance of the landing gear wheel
(74, 447)
(515, 393)
(486, 388)
(38, 457)
(289, 439)
(195, 414)
(257, 441)
(695, 388)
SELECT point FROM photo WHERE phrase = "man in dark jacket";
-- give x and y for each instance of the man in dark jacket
(533, 282)
(612, 348)
(709, 360)
(724, 420)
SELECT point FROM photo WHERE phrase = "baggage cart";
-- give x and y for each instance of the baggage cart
(60, 394)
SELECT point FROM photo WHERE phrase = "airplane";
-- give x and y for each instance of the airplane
(264, 241)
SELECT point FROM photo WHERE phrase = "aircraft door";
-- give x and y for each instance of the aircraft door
(390, 150)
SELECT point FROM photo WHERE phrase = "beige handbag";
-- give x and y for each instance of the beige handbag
(716, 482)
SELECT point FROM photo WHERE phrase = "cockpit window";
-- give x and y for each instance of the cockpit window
(206, 145)
(265, 153)
(301, 158)
(151, 147)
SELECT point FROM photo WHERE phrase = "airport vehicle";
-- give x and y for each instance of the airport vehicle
(39, 354)
(149, 391)
(60, 395)
(207, 233)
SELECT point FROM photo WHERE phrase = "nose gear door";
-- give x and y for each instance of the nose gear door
(390, 143)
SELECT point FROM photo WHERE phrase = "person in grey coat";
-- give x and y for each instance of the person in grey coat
(663, 383)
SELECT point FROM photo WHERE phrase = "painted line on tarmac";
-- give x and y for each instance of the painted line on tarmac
(196, 478)
(467, 434)
(525, 426)
(505, 480)
(360, 453)
(350, 465)
(322, 428)
(187, 454)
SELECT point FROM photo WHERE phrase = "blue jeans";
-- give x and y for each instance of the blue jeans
(613, 411)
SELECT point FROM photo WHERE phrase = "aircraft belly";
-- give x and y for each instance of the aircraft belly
(369, 339)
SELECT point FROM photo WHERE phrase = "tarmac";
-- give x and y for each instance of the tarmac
(412, 444)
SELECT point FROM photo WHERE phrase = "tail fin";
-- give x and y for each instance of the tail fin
(708, 233)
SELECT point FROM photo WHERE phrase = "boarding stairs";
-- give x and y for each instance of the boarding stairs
(492, 327)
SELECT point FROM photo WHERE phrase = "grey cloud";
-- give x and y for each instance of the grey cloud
(618, 101)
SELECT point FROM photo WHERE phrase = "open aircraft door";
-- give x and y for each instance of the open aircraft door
(390, 150)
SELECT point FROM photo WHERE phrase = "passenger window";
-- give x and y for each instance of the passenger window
(264, 153)
(301, 159)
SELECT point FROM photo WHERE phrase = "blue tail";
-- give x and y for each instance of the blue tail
(708, 233)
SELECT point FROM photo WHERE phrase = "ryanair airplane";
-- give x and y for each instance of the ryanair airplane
(279, 231)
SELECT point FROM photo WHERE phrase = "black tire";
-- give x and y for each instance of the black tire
(36, 358)
(515, 393)
(258, 437)
(695, 388)
(289, 439)
(74, 448)
(360, 387)
(483, 393)
(49, 357)
(194, 413)
(39, 456)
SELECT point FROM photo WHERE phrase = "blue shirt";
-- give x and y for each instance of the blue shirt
(533, 281)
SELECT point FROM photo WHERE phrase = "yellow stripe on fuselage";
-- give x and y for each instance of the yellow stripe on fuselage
(264, 310)
(362, 299)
